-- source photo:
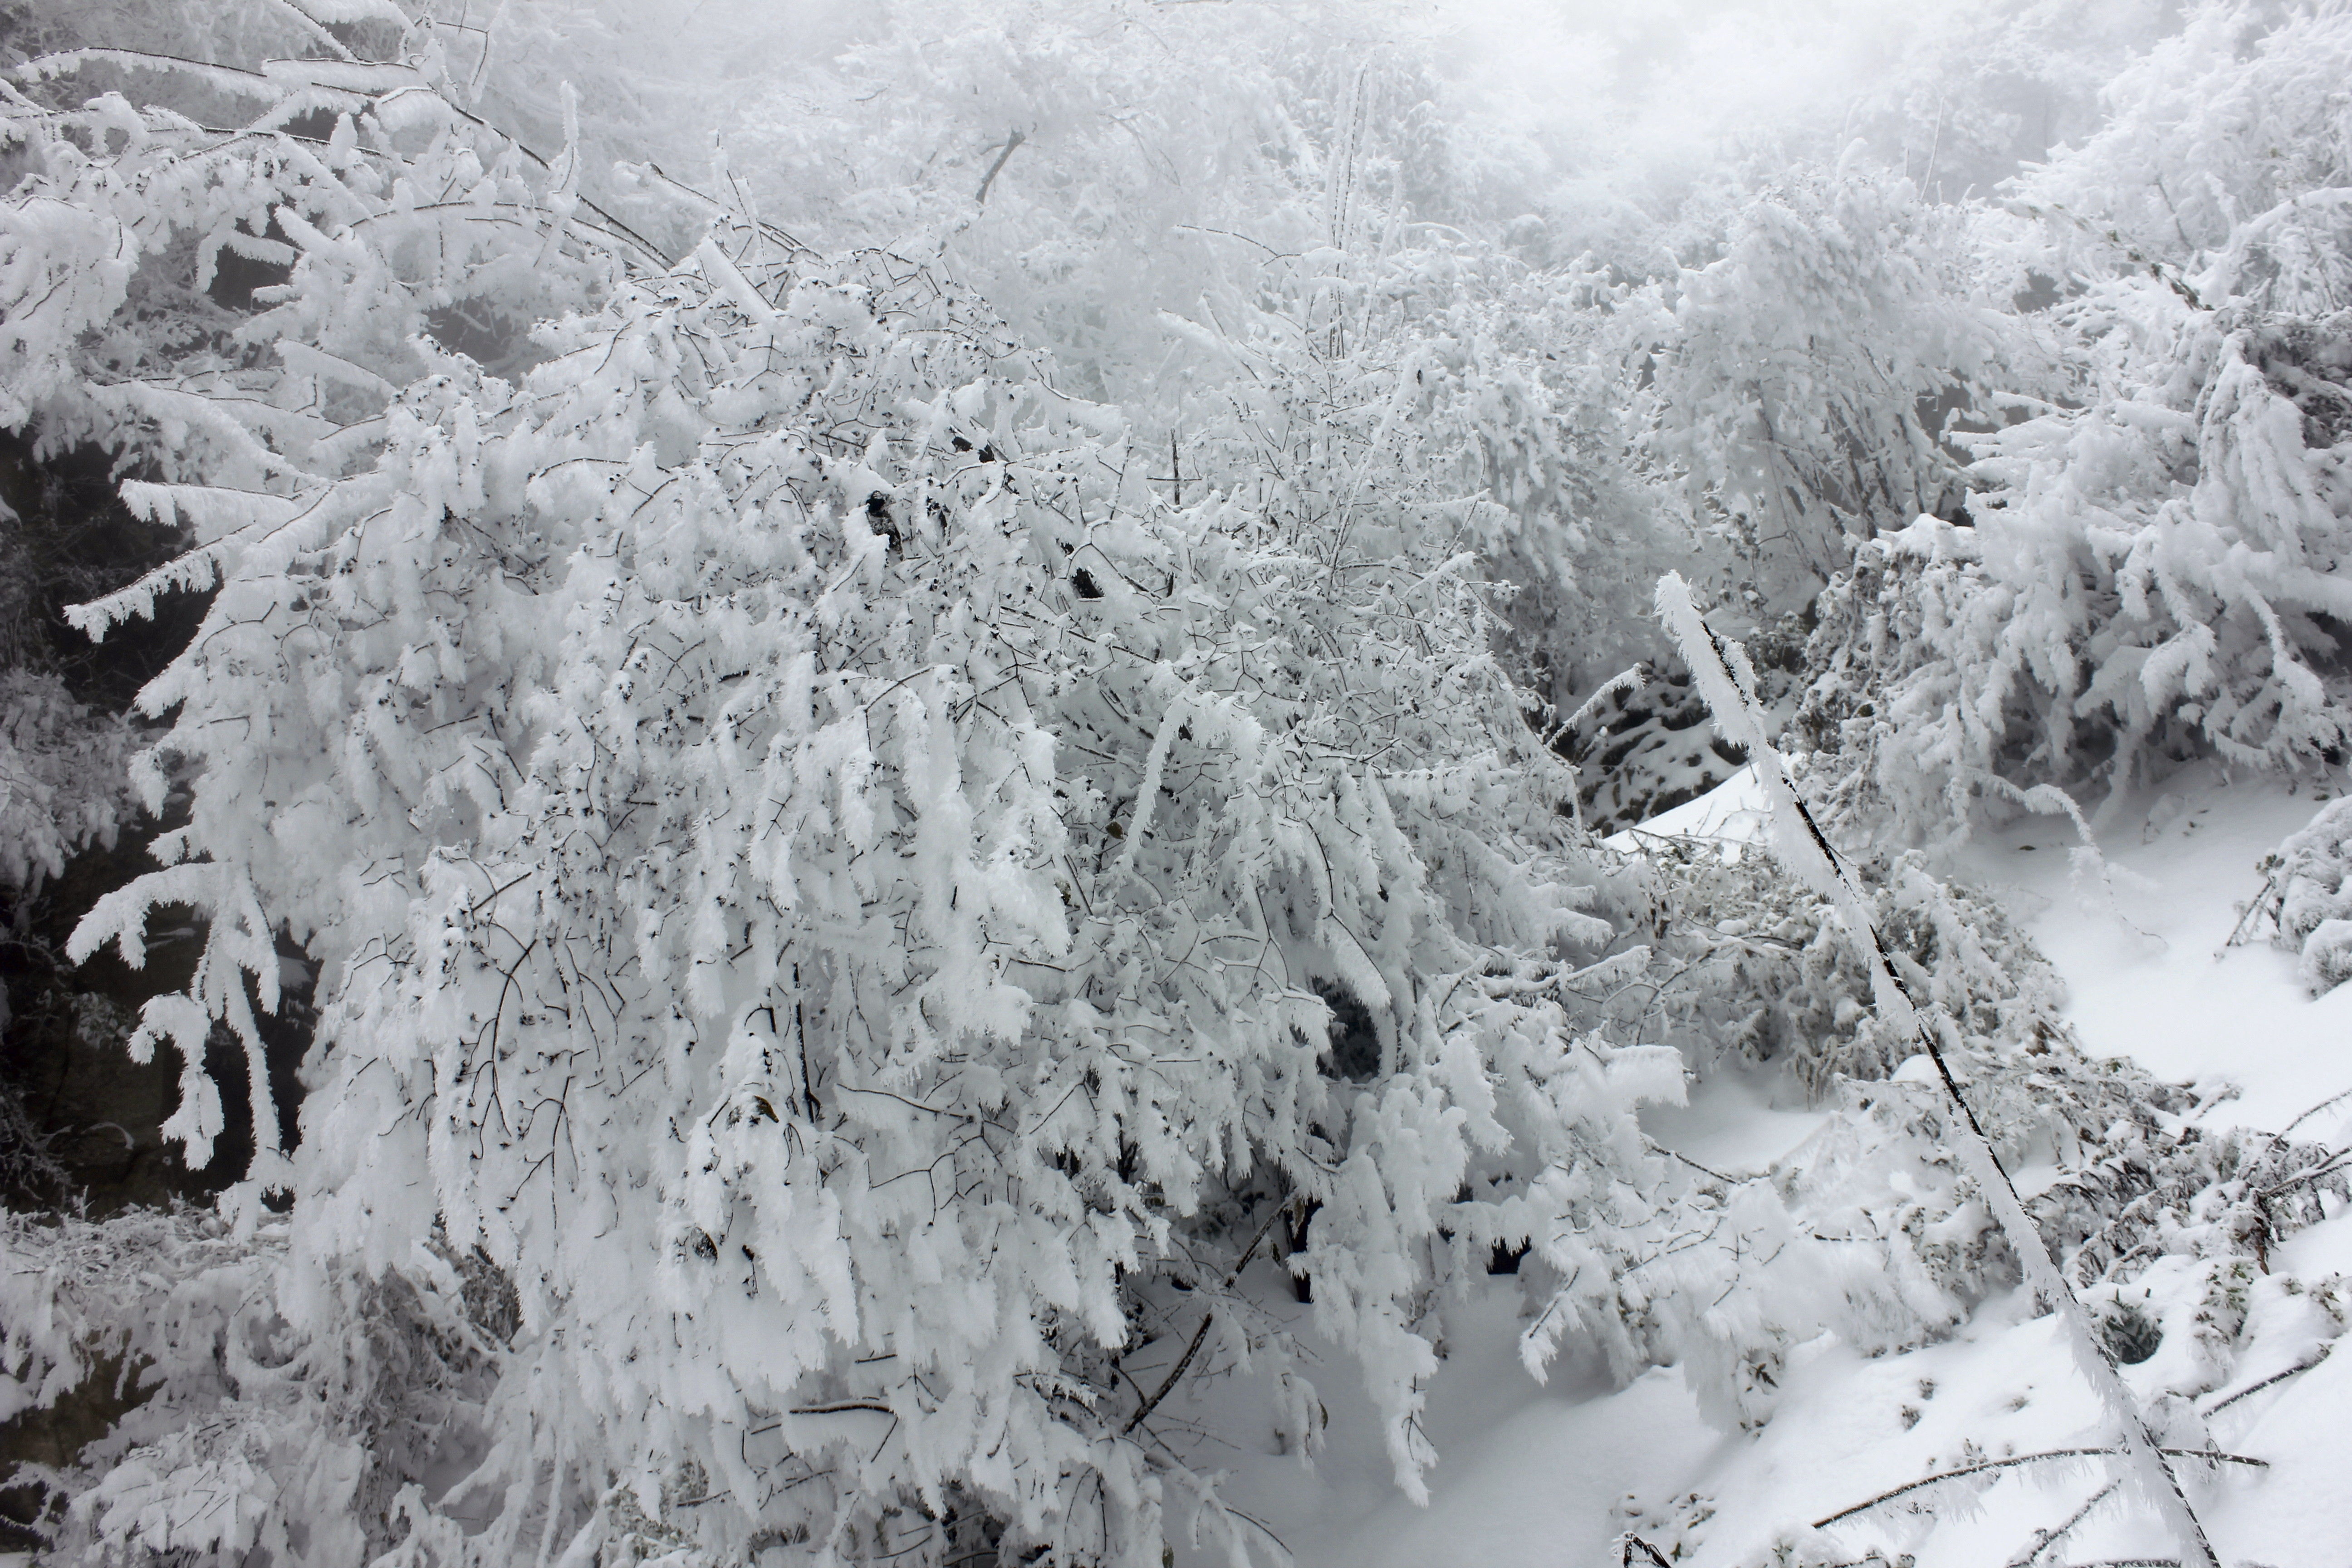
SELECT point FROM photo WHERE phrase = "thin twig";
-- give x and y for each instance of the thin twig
(2044, 1540)
(1175, 1374)
(1208, 1316)
(1694, 1164)
(2331, 1099)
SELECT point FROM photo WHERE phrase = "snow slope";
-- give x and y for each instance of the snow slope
(2147, 966)
(2151, 978)
(1549, 1478)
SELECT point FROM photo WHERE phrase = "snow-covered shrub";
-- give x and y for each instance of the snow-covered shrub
(229, 231)
(1871, 1230)
(917, 853)
(1904, 736)
(1087, 165)
(361, 210)
(835, 871)
(2169, 557)
(2141, 1188)
(2153, 577)
(243, 1432)
(2228, 131)
(2228, 1210)
(1974, 94)
(826, 885)
(64, 737)
(1081, 171)
(1765, 974)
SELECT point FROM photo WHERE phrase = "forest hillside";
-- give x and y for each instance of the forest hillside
(1129, 782)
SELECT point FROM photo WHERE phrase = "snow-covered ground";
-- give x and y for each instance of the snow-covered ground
(1547, 1477)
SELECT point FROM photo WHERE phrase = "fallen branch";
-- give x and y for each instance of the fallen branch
(2323, 1105)
(2212, 1456)
(2274, 1378)
(1176, 1374)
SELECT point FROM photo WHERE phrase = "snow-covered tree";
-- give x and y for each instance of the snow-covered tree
(2153, 569)
(1441, 392)
(894, 834)
(1800, 385)
(1084, 163)
(830, 886)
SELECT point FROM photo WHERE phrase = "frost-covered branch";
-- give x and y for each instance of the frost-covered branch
(1730, 687)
